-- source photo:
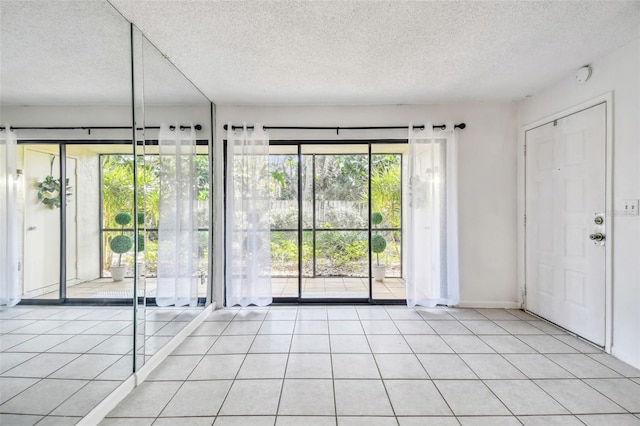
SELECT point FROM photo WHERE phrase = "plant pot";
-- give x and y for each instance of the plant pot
(118, 272)
(378, 272)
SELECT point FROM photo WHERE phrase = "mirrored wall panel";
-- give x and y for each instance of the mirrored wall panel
(65, 106)
(99, 124)
(173, 169)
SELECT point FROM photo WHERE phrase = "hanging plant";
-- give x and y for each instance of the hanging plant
(49, 190)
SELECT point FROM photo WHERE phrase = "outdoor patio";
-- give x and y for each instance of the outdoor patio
(338, 287)
(313, 288)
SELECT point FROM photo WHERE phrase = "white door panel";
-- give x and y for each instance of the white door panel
(565, 191)
(42, 237)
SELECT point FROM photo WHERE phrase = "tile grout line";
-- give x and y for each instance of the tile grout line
(425, 370)
(150, 381)
(487, 387)
(286, 367)
(333, 380)
(534, 380)
(384, 386)
(233, 381)
(527, 377)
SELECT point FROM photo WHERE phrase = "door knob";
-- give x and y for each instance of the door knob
(598, 236)
(32, 228)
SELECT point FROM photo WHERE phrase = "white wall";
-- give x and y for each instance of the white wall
(618, 72)
(487, 181)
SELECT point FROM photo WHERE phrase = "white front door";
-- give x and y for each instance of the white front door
(565, 211)
(42, 234)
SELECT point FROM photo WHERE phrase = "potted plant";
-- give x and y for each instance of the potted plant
(378, 244)
(120, 244)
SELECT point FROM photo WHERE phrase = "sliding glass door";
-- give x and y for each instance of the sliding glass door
(337, 197)
(285, 211)
(98, 225)
(326, 199)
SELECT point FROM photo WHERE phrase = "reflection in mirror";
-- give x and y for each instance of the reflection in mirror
(174, 174)
(66, 94)
(90, 204)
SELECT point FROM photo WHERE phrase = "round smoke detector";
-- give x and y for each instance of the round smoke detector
(583, 74)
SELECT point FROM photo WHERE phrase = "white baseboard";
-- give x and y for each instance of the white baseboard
(488, 304)
(96, 415)
(99, 412)
(624, 358)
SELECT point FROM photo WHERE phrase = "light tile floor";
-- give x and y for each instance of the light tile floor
(339, 287)
(58, 362)
(362, 365)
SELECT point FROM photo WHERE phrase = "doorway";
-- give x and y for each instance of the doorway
(40, 257)
(323, 197)
(567, 219)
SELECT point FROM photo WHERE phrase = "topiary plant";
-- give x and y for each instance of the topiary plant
(376, 218)
(121, 244)
(123, 219)
(378, 243)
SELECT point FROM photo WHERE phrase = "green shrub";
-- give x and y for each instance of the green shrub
(123, 219)
(121, 244)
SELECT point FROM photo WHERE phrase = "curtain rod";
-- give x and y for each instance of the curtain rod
(338, 128)
(89, 128)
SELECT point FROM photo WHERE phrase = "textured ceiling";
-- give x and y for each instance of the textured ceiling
(72, 52)
(63, 52)
(380, 52)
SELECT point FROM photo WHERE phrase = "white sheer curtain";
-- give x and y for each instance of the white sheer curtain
(177, 226)
(432, 217)
(9, 286)
(248, 280)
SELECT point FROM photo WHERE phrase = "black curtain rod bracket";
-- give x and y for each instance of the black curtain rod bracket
(338, 128)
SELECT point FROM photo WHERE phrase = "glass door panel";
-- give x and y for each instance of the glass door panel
(335, 220)
(283, 188)
(340, 184)
(107, 175)
(386, 224)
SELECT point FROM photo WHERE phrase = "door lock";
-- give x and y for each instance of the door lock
(598, 236)
(598, 220)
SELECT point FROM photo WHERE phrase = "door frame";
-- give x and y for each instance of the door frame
(299, 143)
(607, 100)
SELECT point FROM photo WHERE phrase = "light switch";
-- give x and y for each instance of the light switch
(630, 207)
